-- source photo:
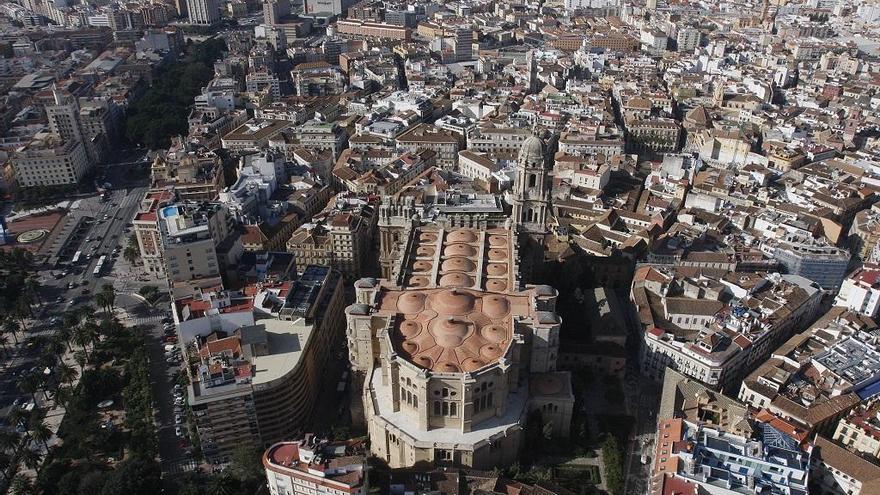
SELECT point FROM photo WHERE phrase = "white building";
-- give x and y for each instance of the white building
(861, 292)
(49, 161)
(205, 12)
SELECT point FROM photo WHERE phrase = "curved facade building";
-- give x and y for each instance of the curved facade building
(255, 374)
(454, 354)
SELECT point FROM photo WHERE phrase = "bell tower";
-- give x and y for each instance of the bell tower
(531, 189)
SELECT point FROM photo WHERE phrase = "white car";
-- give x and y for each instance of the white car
(178, 419)
(179, 432)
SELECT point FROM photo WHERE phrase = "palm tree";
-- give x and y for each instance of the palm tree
(18, 417)
(5, 464)
(11, 326)
(4, 343)
(29, 458)
(41, 433)
(83, 336)
(32, 287)
(9, 440)
(29, 384)
(222, 484)
(66, 373)
(21, 485)
(130, 254)
(81, 359)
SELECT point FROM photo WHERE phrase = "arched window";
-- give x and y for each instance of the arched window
(533, 180)
(489, 400)
(436, 408)
(453, 409)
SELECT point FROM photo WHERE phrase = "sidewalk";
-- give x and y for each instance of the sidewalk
(54, 416)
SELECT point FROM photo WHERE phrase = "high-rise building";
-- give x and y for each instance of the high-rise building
(94, 122)
(455, 353)
(463, 44)
(255, 357)
(204, 12)
(48, 160)
(820, 262)
(531, 189)
(687, 39)
(331, 7)
(146, 231)
(191, 233)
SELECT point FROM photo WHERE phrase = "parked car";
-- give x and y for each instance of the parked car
(179, 432)
(178, 419)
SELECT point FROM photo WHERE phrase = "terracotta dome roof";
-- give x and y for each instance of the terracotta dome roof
(428, 237)
(458, 264)
(491, 352)
(422, 266)
(418, 281)
(453, 302)
(425, 251)
(459, 249)
(496, 285)
(494, 333)
(548, 384)
(450, 332)
(495, 306)
(410, 347)
(496, 269)
(497, 254)
(497, 240)
(410, 328)
(411, 302)
(448, 368)
(461, 236)
(424, 362)
(456, 279)
(472, 364)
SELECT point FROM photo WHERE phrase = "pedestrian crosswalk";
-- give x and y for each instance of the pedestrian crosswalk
(179, 466)
(131, 321)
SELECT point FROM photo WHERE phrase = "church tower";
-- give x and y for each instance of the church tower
(531, 190)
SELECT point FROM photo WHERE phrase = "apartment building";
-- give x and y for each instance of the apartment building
(316, 466)
(443, 142)
(191, 233)
(356, 29)
(816, 260)
(838, 471)
(454, 354)
(254, 134)
(387, 179)
(860, 430)
(715, 461)
(817, 376)
(47, 160)
(497, 140)
(263, 80)
(580, 144)
(717, 329)
(146, 230)
(203, 12)
(255, 357)
(339, 237)
(860, 291)
(318, 79)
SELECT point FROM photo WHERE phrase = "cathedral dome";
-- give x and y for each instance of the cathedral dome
(532, 150)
